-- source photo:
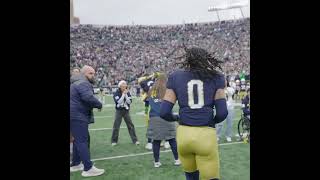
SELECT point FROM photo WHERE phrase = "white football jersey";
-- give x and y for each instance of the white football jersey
(230, 91)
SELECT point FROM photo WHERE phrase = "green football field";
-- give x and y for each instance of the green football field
(127, 161)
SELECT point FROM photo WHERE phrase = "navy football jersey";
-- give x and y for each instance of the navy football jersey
(238, 88)
(195, 97)
(155, 107)
(242, 87)
(246, 104)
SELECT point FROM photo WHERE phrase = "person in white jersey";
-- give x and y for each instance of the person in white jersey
(230, 105)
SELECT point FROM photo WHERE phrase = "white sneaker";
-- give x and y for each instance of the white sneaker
(76, 168)
(244, 135)
(166, 145)
(71, 148)
(92, 172)
(157, 164)
(137, 143)
(113, 144)
(149, 146)
(177, 162)
(229, 139)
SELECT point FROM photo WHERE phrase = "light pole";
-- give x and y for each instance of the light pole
(238, 5)
(218, 15)
(241, 12)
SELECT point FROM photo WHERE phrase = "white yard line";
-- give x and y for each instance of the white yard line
(122, 127)
(141, 154)
(99, 117)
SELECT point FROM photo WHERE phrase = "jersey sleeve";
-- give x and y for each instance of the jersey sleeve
(170, 83)
(220, 83)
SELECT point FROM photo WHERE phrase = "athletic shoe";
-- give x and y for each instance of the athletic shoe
(149, 146)
(76, 168)
(177, 162)
(166, 145)
(229, 139)
(92, 172)
(157, 164)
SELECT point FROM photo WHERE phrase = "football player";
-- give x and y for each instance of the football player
(237, 90)
(230, 105)
(199, 88)
(102, 96)
(248, 86)
(246, 105)
(242, 92)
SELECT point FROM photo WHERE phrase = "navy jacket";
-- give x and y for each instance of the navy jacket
(246, 103)
(82, 100)
(122, 101)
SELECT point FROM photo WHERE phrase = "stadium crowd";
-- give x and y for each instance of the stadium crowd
(137, 49)
(120, 55)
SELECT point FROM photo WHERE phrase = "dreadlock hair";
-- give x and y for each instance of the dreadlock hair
(202, 63)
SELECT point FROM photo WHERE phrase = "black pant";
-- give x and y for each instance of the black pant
(89, 142)
(117, 122)
(79, 130)
(156, 149)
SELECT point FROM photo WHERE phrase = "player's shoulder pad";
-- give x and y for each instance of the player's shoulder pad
(174, 74)
(170, 82)
(220, 81)
(177, 72)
